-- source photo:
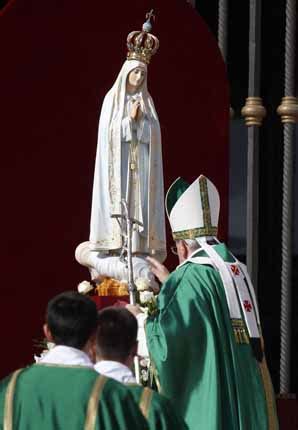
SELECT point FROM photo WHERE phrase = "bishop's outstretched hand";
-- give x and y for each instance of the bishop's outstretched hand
(158, 269)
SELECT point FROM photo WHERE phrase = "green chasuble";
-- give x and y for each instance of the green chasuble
(54, 397)
(214, 382)
(158, 410)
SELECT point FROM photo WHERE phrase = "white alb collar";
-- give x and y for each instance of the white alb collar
(66, 355)
(115, 370)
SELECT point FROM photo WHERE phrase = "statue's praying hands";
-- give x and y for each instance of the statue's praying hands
(136, 112)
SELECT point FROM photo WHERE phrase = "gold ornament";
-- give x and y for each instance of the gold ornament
(288, 110)
(111, 287)
(253, 111)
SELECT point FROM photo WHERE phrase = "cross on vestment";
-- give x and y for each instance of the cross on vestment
(247, 305)
(235, 269)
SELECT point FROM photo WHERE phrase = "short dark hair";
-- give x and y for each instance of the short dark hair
(71, 318)
(116, 334)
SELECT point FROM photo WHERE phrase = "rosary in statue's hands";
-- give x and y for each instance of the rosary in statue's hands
(158, 269)
(136, 112)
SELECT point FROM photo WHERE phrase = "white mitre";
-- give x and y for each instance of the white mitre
(193, 210)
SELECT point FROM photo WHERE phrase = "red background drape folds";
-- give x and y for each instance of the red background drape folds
(58, 59)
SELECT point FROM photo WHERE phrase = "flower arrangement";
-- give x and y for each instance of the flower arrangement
(104, 287)
(146, 297)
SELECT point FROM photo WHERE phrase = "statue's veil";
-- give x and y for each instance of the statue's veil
(104, 231)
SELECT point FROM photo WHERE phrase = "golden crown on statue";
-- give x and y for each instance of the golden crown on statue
(142, 44)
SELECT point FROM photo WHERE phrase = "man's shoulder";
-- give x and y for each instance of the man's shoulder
(190, 268)
(51, 370)
(159, 409)
(66, 377)
(115, 388)
(141, 393)
(79, 375)
(116, 395)
(4, 383)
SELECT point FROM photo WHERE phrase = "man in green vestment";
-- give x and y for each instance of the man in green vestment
(52, 396)
(205, 339)
(116, 346)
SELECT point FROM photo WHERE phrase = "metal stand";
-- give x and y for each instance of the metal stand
(126, 252)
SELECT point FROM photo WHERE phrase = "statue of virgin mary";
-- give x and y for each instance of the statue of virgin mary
(128, 167)
(129, 158)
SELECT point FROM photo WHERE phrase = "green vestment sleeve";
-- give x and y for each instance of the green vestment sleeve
(213, 382)
(52, 397)
(158, 410)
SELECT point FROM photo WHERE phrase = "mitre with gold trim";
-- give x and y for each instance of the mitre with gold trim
(193, 210)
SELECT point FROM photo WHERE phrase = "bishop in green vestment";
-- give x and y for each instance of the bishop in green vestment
(205, 339)
(157, 409)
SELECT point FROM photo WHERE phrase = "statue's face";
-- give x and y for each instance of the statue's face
(136, 77)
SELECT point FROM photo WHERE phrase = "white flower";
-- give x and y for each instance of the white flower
(84, 287)
(142, 284)
(50, 345)
(146, 296)
(145, 362)
(144, 375)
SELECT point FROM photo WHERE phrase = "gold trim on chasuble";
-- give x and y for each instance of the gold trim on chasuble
(239, 330)
(65, 366)
(208, 229)
(270, 400)
(8, 405)
(93, 403)
(145, 401)
(154, 378)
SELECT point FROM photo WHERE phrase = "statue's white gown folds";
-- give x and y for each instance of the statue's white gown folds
(123, 142)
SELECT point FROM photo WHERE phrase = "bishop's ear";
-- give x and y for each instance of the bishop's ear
(185, 250)
(182, 250)
(47, 333)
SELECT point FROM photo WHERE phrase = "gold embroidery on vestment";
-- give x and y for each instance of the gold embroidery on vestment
(270, 401)
(145, 401)
(239, 330)
(205, 202)
(195, 232)
(92, 409)
(8, 405)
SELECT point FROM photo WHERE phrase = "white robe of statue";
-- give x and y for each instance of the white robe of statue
(123, 142)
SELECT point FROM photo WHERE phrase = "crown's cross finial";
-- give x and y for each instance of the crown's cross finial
(147, 27)
(150, 15)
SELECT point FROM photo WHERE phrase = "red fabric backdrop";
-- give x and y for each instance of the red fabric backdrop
(58, 59)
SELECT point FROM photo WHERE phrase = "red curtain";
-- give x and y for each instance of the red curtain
(58, 59)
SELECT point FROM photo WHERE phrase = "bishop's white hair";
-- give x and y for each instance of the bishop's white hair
(192, 244)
